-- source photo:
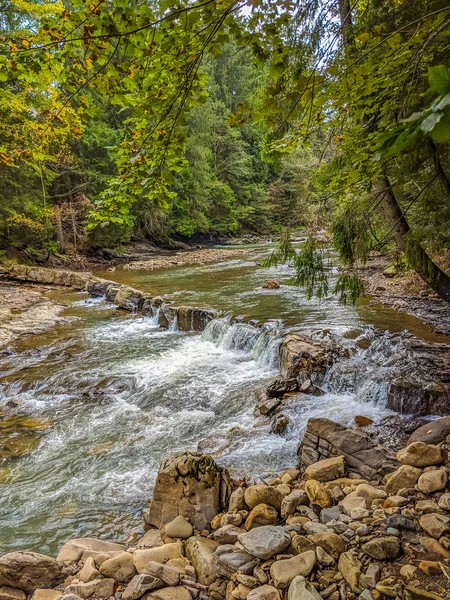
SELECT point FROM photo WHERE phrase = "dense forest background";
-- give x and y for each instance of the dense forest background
(162, 121)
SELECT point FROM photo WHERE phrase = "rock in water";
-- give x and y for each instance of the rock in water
(191, 485)
(28, 571)
(271, 285)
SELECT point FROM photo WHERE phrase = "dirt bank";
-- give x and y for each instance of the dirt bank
(407, 293)
(26, 311)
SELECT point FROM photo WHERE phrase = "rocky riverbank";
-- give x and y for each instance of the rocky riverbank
(25, 311)
(405, 292)
(326, 530)
(186, 257)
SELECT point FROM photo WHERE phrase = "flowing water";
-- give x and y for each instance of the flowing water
(95, 405)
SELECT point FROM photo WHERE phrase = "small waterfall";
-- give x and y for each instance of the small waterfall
(258, 345)
(155, 317)
(174, 324)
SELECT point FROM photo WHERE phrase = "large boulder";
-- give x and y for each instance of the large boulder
(433, 432)
(29, 571)
(301, 355)
(191, 485)
(194, 319)
(415, 399)
(324, 439)
(128, 298)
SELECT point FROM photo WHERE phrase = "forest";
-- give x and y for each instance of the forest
(163, 121)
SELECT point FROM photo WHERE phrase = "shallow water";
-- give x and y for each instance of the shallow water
(116, 394)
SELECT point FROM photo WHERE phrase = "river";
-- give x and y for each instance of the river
(101, 401)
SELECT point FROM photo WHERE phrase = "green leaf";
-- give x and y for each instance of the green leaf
(443, 103)
(439, 79)
(431, 121)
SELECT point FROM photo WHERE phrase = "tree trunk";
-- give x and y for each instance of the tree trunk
(418, 259)
(59, 230)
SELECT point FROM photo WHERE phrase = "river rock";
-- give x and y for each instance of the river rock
(168, 593)
(284, 571)
(263, 494)
(435, 525)
(262, 514)
(432, 481)
(264, 592)
(400, 522)
(162, 572)
(369, 492)
(326, 470)
(179, 528)
(290, 502)
(228, 534)
(121, 567)
(47, 594)
(384, 548)
(264, 542)
(128, 298)
(200, 552)
(318, 494)
(324, 438)
(351, 502)
(351, 569)
(404, 477)
(89, 571)
(237, 501)
(10, 593)
(300, 589)
(100, 588)
(73, 550)
(414, 593)
(28, 571)
(191, 485)
(331, 542)
(139, 585)
(151, 539)
(444, 502)
(300, 354)
(301, 543)
(231, 558)
(433, 432)
(159, 554)
(419, 454)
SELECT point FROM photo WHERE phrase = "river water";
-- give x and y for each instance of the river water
(100, 402)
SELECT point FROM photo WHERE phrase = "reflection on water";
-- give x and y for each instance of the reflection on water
(116, 394)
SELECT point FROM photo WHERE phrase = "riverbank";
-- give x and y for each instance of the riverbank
(351, 520)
